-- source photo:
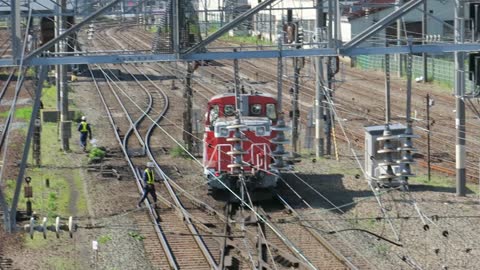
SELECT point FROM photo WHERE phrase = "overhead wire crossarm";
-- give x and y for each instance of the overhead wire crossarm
(49, 44)
(230, 25)
(381, 24)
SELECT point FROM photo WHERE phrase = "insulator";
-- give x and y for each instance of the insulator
(234, 165)
(57, 227)
(235, 126)
(384, 151)
(236, 153)
(234, 139)
(409, 149)
(276, 140)
(280, 154)
(387, 163)
(387, 137)
(405, 135)
(70, 226)
(387, 149)
(280, 128)
(387, 176)
(278, 166)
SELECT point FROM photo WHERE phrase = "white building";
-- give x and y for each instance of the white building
(360, 15)
(358, 19)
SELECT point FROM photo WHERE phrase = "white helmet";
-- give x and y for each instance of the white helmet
(150, 164)
(84, 118)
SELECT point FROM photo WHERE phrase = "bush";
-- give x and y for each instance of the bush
(178, 151)
(96, 155)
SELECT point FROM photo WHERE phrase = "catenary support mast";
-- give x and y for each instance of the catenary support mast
(319, 121)
(459, 99)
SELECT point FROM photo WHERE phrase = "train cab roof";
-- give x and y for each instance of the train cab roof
(226, 95)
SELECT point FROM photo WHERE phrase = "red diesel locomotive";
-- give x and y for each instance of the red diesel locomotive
(258, 115)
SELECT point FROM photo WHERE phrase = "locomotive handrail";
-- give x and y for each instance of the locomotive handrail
(265, 148)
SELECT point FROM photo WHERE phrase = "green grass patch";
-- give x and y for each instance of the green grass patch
(49, 96)
(63, 263)
(381, 249)
(55, 200)
(52, 204)
(52, 153)
(103, 239)
(136, 236)
(153, 29)
(441, 181)
(20, 113)
(36, 243)
(436, 180)
(30, 72)
(178, 151)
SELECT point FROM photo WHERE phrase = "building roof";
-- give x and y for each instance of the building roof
(366, 7)
(46, 7)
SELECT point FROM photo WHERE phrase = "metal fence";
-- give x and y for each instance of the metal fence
(439, 70)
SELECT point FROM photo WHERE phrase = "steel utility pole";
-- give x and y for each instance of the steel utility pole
(398, 3)
(187, 115)
(16, 34)
(459, 101)
(424, 34)
(66, 125)
(319, 97)
(295, 111)
(328, 131)
(428, 136)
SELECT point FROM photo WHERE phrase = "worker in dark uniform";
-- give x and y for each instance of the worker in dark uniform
(149, 187)
(85, 131)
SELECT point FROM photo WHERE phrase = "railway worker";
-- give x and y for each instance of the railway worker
(149, 187)
(85, 131)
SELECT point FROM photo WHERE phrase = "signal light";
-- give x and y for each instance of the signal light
(475, 16)
(474, 68)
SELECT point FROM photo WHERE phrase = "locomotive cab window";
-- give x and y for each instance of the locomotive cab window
(229, 110)
(213, 114)
(271, 112)
(256, 109)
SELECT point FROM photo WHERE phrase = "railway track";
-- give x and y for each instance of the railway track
(169, 214)
(185, 246)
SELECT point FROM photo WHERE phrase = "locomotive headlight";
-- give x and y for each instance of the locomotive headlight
(260, 131)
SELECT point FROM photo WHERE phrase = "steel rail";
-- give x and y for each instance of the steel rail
(317, 236)
(11, 112)
(196, 235)
(9, 119)
(133, 125)
(155, 219)
(199, 240)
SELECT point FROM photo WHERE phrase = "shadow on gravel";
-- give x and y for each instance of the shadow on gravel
(322, 187)
(423, 188)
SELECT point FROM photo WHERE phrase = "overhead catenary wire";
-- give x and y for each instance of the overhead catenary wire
(136, 105)
(231, 191)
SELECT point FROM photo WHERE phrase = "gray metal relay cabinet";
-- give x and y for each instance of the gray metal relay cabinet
(372, 158)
